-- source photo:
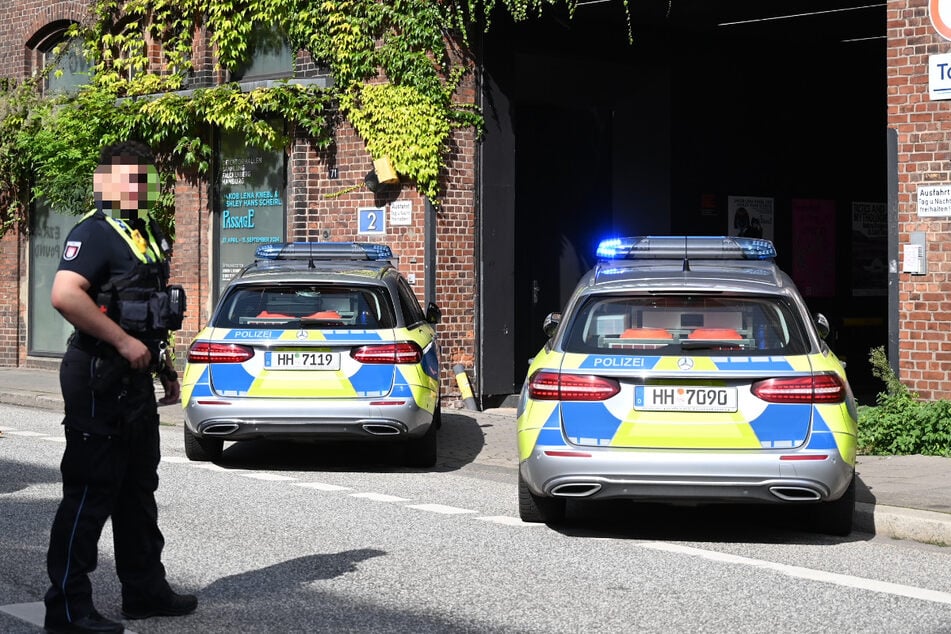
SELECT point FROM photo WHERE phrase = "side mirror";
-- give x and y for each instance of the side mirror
(433, 314)
(550, 325)
(822, 325)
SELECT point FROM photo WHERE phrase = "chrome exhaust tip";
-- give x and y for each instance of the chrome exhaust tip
(576, 489)
(382, 429)
(220, 429)
(796, 494)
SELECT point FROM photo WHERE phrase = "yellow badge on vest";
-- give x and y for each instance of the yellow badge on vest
(140, 242)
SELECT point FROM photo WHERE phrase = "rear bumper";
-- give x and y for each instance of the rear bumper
(247, 419)
(712, 477)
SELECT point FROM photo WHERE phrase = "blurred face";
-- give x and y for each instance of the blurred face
(126, 185)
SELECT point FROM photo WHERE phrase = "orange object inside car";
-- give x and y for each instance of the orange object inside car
(646, 333)
(714, 333)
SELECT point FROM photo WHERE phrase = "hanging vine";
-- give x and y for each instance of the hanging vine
(394, 81)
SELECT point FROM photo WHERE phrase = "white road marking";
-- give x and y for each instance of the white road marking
(176, 459)
(379, 497)
(860, 583)
(54, 438)
(440, 508)
(271, 477)
(31, 613)
(210, 466)
(13, 432)
(508, 520)
(320, 486)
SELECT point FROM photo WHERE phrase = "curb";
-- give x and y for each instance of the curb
(926, 527)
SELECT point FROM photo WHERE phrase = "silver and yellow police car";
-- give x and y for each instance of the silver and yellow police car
(315, 341)
(687, 369)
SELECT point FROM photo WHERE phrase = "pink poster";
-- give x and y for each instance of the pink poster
(813, 256)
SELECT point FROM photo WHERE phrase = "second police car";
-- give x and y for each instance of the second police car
(313, 341)
(687, 369)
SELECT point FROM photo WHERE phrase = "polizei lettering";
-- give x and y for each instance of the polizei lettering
(615, 362)
(237, 222)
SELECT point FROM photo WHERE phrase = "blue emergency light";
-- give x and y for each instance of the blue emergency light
(323, 251)
(686, 248)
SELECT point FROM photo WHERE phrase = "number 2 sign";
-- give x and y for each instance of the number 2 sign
(371, 220)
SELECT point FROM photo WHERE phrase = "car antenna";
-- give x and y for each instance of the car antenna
(686, 259)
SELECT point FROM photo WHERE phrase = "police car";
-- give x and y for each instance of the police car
(687, 369)
(311, 341)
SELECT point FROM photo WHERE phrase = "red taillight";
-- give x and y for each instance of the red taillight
(403, 352)
(210, 352)
(555, 386)
(818, 388)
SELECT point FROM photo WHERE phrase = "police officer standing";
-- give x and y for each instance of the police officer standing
(112, 286)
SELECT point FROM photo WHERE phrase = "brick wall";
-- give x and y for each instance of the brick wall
(314, 212)
(924, 157)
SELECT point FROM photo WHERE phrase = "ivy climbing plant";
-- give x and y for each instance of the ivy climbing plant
(394, 79)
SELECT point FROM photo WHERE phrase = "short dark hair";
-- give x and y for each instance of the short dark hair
(126, 152)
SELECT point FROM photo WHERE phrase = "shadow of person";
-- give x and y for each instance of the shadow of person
(286, 577)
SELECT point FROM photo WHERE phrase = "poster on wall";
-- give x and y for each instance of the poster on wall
(750, 216)
(813, 259)
(869, 249)
(251, 203)
(48, 330)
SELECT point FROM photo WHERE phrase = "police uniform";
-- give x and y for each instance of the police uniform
(110, 463)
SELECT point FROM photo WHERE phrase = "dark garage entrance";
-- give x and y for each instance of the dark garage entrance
(589, 135)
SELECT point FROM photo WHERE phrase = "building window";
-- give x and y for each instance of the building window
(47, 329)
(251, 203)
(70, 69)
(269, 57)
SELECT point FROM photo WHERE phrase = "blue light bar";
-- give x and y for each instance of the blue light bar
(323, 251)
(686, 247)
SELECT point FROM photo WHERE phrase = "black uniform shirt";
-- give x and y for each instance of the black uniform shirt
(95, 250)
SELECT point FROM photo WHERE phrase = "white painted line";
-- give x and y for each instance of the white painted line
(440, 508)
(507, 520)
(271, 477)
(379, 497)
(175, 459)
(54, 438)
(33, 613)
(320, 486)
(14, 432)
(210, 466)
(860, 583)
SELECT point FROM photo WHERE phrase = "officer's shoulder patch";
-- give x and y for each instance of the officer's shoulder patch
(71, 250)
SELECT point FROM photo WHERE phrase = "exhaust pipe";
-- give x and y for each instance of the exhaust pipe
(576, 489)
(382, 429)
(795, 494)
(220, 429)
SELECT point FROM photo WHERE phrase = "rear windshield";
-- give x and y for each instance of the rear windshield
(610, 324)
(305, 305)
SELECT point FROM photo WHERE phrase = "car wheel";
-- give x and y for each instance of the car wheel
(534, 508)
(835, 517)
(202, 449)
(421, 452)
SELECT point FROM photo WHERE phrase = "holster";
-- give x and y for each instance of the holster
(110, 371)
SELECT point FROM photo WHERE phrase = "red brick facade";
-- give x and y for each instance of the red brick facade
(923, 131)
(311, 215)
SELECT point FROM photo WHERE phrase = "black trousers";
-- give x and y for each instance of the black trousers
(111, 471)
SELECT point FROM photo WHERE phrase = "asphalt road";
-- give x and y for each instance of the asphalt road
(303, 538)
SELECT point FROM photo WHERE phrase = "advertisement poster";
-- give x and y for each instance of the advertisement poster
(750, 217)
(251, 201)
(869, 249)
(48, 230)
(813, 234)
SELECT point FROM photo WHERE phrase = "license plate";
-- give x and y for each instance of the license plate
(299, 360)
(683, 398)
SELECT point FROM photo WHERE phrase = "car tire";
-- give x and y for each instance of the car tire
(835, 517)
(537, 509)
(421, 452)
(202, 449)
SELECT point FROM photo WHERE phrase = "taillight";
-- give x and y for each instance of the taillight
(210, 352)
(555, 386)
(818, 388)
(403, 352)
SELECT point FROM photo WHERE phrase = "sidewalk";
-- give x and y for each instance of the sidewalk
(905, 497)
